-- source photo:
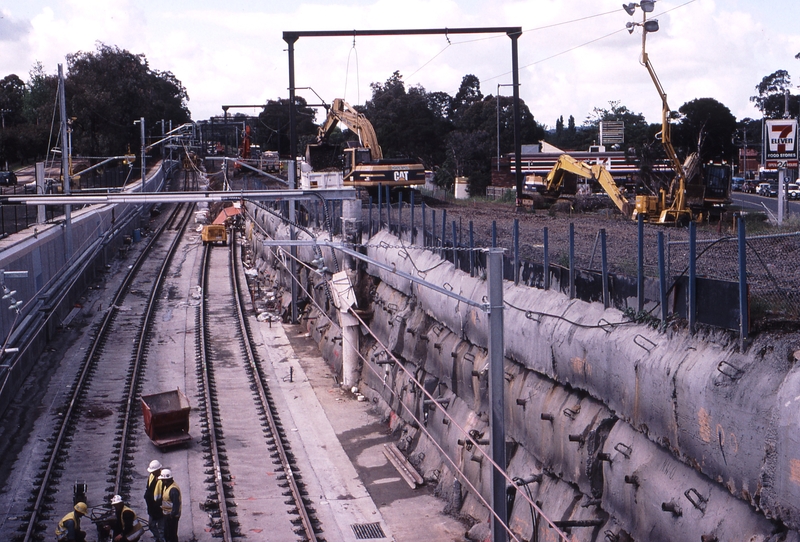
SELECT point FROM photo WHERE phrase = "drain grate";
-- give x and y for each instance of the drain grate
(366, 531)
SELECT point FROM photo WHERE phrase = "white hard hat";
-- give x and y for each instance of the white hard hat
(154, 466)
(166, 474)
(116, 499)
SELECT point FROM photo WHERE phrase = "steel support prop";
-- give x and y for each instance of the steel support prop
(496, 392)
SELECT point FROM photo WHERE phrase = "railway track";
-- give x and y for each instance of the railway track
(109, 369)
(227, 365)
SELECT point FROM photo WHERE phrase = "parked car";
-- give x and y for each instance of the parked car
(8, 178)
(737, 184)
(793, 191)
(749, 187)
(769, 190)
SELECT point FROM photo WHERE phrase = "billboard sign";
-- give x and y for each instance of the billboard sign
(781, 135)
(612, 131)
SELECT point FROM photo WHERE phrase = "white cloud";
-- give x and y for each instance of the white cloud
(236, 54)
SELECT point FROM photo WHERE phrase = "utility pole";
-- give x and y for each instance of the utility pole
(66, 151)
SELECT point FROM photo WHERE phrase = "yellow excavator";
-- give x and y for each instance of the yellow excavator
(697, 190)
(362, 165)
(566, 165)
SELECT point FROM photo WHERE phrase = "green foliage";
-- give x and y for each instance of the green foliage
(106, 90)
(705, 126)
(271, 131)
(772, 89)
(110, 88)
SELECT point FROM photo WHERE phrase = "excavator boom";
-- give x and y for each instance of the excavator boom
(356, 122)
(567, 164)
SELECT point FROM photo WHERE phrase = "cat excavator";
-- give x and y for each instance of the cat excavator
(362, 164)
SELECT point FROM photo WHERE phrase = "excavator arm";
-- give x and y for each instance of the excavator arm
(567, 164)
(356, 122)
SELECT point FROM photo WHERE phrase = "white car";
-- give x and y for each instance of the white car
(793, 190)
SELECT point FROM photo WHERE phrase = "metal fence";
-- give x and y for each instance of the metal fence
(770, 258)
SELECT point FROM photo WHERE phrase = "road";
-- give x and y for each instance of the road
(754, 202)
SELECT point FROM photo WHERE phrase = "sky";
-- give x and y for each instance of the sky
(574, 55)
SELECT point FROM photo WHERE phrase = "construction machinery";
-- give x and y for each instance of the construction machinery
(362, 164)
(697, 190)
(568, 168)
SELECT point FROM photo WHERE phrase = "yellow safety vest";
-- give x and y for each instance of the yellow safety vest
(61, 529)
(166, 503)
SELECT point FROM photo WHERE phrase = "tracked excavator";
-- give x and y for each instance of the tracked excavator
(567, 166)
(363, 164)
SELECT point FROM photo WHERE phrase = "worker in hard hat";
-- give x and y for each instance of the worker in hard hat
(69, 528)
(126, 526)
(170, 505)
(152, 496)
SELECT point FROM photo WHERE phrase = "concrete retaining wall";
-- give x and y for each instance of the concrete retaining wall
(637, 434)
(56, 280)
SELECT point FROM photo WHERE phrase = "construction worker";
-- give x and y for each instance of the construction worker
(152, 497)
(126, 527)
(69, 528)
(170, 505)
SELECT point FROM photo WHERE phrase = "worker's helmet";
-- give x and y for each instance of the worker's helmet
(116, 499)
(154, 466)
(166, 474)
(81, 508)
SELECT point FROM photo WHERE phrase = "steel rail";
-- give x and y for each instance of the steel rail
(266, 404)
(225, 525)
(142, 342)
(82, 380)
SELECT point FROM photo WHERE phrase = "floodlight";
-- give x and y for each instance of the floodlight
(630, 27)
(629, 8)
(647, 5)
(651, 26)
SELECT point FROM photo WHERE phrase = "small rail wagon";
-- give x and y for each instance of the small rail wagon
(166, 418)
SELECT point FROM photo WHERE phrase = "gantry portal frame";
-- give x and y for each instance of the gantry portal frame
(513, 32)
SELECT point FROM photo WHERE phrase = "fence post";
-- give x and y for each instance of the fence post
(546, 247)
(494, 233)
(604, 266)
(433, 230)
(411, 197)
(572, 260)
(400, 214)
(516, 251)
(370, 217)
(424, 231)
(455, 246)
(662, 279)
(444, 233)
(692, 308)
(640, 266)
(471, 250)
(744, 321)
(380, 206)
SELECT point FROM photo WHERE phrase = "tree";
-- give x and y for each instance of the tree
(110, 88)
(408, 124)
(273, 124)
(468, 93)
(12, 99)
(707, 127)
(772, 91)
(473, 143)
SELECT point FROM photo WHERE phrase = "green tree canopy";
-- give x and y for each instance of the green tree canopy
(273, 125)
(110, 88)
(705, 126)
(771, 97)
